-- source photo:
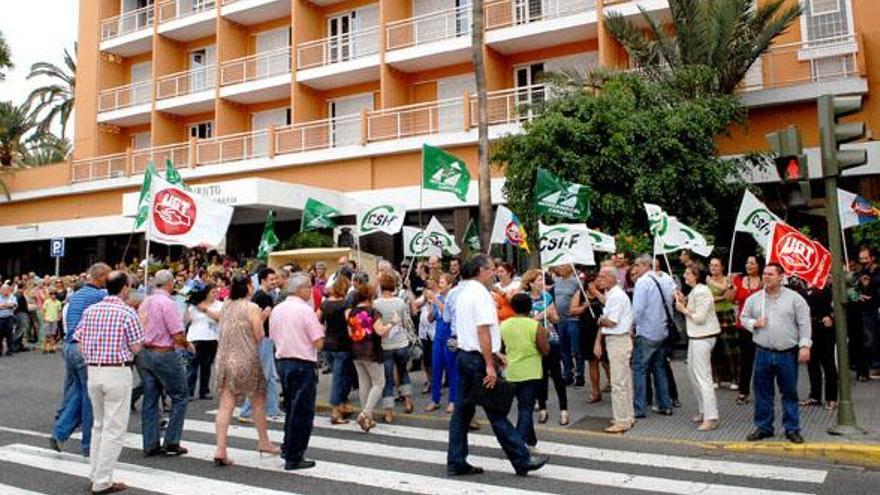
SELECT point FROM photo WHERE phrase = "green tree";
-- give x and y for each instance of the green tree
(56, 97)
(5, 57)
(48, 149)
(18, 129)
(633, 141)
(724, 35)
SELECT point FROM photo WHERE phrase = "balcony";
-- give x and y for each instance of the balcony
(320, 134)
(416, 120)
(257, 78)
(187, 20)
(128, 34)
(126, 105)
(632, 8)
(518, 25)
(178, 153)
(188, 92)
(250, 12)
(100, 168)
(436, 39)
(339, 60)
(510, 106)
(804, 70)
(233, 148)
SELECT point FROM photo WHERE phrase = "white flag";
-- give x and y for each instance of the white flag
(436, 234)
(386, 218)
(414, 244)
(178, 216)
(756, 219)
(603, 243)
(671, 235)
(564, 244)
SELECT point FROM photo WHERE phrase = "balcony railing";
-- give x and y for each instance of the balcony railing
(509, 106)
(319, 134)
(127, 22)
(813, 61)
(102, 167)
(178, 153)
(505, 13)
(426, 28)
(186, 82)
(415, 120)
(233, 147)
(125, 96)
(255, 67)
(338, 48)
(178, 9)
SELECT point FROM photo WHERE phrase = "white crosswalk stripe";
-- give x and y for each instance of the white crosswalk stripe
(551, 471)
(146, 478)
(13, 490)
(727, 468)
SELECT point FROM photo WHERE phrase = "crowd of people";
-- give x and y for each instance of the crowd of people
(209, 327)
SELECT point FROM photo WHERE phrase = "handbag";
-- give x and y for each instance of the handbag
(674, 335)
(497, 399)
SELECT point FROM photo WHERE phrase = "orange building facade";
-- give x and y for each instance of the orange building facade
(263, 103)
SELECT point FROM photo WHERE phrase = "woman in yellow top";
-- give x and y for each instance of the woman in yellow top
(524, 342)
(51, 315)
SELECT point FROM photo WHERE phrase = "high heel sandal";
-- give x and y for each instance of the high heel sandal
(365, 422)
(222, 461)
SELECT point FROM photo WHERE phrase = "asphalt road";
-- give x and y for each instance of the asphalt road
(408, 457)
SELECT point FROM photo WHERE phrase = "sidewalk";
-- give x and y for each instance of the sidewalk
(736, 420)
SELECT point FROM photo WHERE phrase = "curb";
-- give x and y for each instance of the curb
(857, 454)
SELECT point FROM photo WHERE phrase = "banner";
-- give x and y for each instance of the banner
(269, 240)
(432, 241)
(442, 171)
(755, 219)
(436, 234)
(386, 218)
(561, 198)
(855, 210)
(143, 210)
(603, 243)
(472, 236)
(799, 255)
(178, 216)
(316, 215)
(564, 244)
(508, 229)
(670, 235)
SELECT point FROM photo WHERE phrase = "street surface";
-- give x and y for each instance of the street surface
(407, 457)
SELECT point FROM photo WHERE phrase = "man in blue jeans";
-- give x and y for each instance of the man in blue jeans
(76, 409)
(479, 339)
(264, 297)
(779, 319)
(650, 318)
(162, 367)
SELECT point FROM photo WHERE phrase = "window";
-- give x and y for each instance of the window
(820, 7)
(825, 19)
(202, 130)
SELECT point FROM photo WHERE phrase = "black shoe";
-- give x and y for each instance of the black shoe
(155, 451)
(569, 382)
(759, 435)
(533, 464)
(301, 464)
(467, 470)
(55, 444)
(794, 437)
(579, 383)
(676, 403)
(175, 450)
(662, 412)
(206, 397)
(640, 416)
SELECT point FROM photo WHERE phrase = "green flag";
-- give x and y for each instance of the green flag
(269, 239)
(172, 175)
(143, 209)
(472, 236)
(444, 172)
(316, 215)
(561, 198)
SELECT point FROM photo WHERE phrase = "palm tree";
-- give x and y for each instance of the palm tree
(16, 122)
(48, 149)
(727, 36)
(5, 57)
(56, 97)
(484, 183)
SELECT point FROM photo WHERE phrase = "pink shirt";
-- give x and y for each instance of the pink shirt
(162, 319)
(294, 327)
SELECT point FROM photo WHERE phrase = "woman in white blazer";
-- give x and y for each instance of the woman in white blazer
(702, 329)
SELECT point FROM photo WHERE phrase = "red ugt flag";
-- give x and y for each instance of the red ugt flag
(799, 255)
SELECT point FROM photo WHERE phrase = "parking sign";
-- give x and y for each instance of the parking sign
(56, 248)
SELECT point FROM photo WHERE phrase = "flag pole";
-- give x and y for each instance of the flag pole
(845, 251)
(581, 286)
(421, 186)
(730, 258)
(147, 254)
(668, 266)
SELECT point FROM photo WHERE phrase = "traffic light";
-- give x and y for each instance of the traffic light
(832, 134)
(791, 164)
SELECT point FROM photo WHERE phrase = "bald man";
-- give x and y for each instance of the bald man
(616, 323)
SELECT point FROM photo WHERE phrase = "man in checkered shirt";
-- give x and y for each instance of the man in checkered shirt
(109, 334)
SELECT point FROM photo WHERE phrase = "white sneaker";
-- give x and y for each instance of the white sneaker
(734, 386)
(564, 418)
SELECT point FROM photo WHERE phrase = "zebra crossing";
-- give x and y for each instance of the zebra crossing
(405, 459)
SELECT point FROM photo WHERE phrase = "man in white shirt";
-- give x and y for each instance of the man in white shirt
(479, 339)
(616, 322)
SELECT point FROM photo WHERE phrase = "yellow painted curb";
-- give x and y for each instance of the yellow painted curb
(865, 455)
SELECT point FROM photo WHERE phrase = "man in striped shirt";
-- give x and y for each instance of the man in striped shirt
(109, 334)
